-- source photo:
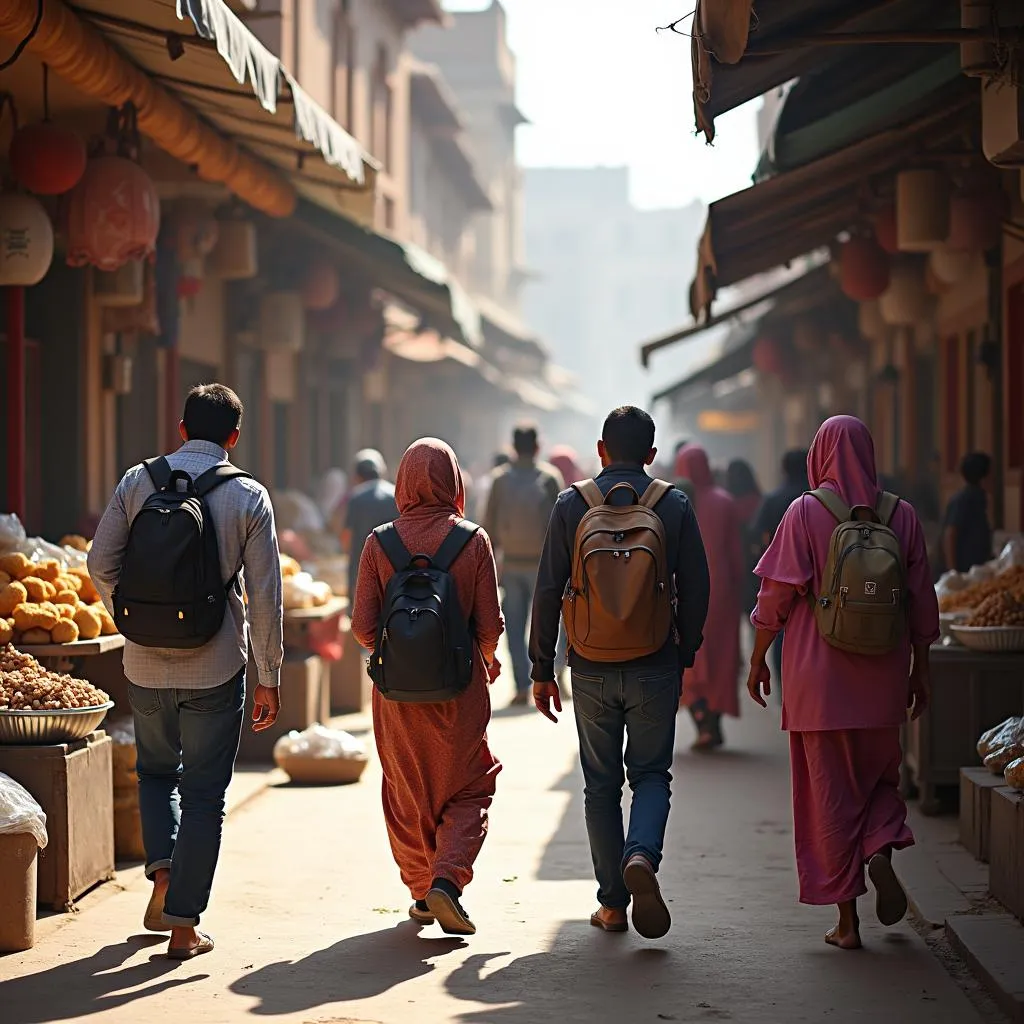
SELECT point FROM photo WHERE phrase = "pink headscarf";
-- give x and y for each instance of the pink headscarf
(429, 481)
(842, 458)
(564, 459)
(692, 464)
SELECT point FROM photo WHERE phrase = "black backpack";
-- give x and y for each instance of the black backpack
(424, 648)
(170, 592)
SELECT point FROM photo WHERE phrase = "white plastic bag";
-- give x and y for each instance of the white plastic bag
(320, 742)
(12, 533)
(19, 812)
(1011, 556)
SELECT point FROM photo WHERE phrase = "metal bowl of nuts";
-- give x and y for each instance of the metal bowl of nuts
(40, 706)
(32, 727)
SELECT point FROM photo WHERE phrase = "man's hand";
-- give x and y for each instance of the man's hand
(266, 706)
(544, 694)
(759, 681)
(920, 691)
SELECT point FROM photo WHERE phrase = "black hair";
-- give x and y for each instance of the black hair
(367, 469)
(975, 467)
(213, 412)
(740, 480)
(524, 440)
(628, 435)
(794, 464)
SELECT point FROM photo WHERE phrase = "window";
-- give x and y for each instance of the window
(380, 110)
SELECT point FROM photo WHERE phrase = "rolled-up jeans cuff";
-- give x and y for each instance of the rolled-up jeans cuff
(180, 922)
(157, 865)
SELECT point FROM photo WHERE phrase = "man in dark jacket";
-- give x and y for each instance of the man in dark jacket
(639, 697)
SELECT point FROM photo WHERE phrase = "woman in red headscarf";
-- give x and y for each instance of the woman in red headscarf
(439, 773)
(711, 687)
(843, 711)
(566, 461)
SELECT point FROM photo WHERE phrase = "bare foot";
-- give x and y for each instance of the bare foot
(184, 938)
(846, 933)
(609, 919)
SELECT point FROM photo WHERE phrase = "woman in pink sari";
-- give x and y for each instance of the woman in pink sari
(711, 687)
(566, 461)
(843, 711)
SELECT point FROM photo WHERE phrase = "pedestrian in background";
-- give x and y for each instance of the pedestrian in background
(439, 773)
(843, 710)
(370, 504)
(519, 506)
(188, 703)
(966, 530)
(711, 688)
(632, 691)
(766, 523)
(741, 483)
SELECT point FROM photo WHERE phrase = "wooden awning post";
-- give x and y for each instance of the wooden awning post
(15, 303)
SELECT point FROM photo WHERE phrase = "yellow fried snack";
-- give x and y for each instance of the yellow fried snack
(89, 594)
(11, 596)
(107, 628)
(35, 636)
(74, 540)
(4, 579)
(15, 565)
(35, 616)
(65, 581)
(48, 569)
(65, 632)
(66, 611)
(6, 632)
(38, 590)
(89, 622)
(66, 597)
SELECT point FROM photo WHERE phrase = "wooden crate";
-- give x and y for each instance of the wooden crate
(73, 783)
(976, 785)
(1006, 856)
(305, 700)
(971, 692)
(350, 683)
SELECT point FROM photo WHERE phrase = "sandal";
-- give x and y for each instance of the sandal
(154, 919)
(421, 913)
(205, 946)
(890, 897)
(449, 913)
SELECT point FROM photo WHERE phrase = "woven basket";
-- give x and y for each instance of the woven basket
(990, 638)
(323, 771)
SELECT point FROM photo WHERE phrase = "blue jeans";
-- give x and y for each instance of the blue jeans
(518, 585)
(186, 742)
(640, 704)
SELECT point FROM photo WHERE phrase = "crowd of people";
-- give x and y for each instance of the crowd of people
(632, 585)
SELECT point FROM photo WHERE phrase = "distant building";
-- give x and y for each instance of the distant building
(608, 275)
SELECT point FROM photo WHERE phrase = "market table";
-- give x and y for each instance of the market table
(971, 692)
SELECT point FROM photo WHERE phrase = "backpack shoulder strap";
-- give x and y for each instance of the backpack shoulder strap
(217, 475)
(886, 507)
(159, 470)
(454, 544)
(835, 505)
(656, 490)
(589, 492)
(391, 543)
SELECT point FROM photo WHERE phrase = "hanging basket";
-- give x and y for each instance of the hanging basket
(906, 302)
(863, 269)
(26, 240)
(235, 256)
(922, 210)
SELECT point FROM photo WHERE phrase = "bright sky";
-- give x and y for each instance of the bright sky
(601, 86)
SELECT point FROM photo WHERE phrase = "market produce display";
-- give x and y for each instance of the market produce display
(1002, 748)
(26, 686)
(42, 602)
(1009, 584)
(1001, 609)
(1014, 773)
(300, 590)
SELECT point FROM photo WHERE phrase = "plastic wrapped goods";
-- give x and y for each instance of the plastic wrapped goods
(320, 742)
(19, 812)
(999, 735)
(1014, 773)
(998, 761)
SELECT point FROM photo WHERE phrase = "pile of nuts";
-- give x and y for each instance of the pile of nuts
(1010, 582)
(26, 686)
(1001, 609)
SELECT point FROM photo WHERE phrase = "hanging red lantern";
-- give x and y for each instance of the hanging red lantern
(863, 269)
(976, 219)
(322, 286)
(767, 357)
(47, 159)
(113, 215)
(885, 229)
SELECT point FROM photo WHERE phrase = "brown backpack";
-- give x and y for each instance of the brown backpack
(618, 605)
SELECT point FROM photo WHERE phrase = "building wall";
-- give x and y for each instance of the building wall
(473, 54)
(606, 283)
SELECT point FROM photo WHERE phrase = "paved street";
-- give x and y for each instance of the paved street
(310, 918)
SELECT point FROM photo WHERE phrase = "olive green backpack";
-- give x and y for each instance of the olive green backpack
(862, 605)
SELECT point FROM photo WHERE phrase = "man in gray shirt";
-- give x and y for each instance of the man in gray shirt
(189, 705)
(371, 504)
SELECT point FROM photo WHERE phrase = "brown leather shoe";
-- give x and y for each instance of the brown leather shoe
(609, 920)
(651, 918)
